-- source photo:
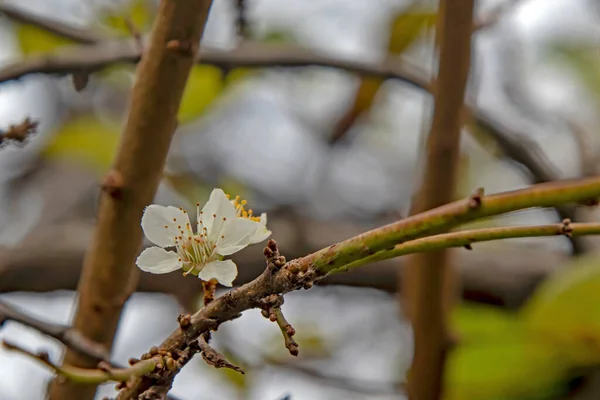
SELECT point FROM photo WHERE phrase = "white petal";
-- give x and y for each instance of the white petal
(156, 218)
(223, 271)
(235, 235)
(217, 207)
(262, 233)
(158, 261)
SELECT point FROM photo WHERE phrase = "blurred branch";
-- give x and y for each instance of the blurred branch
(429, 282)
(64, 334)
(241, 20)
(109, 274)
(256, 55)
(96, 376)
(82, 36)
(467, 238)
(518, 147)
(20, 132)
(303, 272)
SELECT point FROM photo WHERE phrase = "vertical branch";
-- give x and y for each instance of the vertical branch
(428, 280)
(109, 275)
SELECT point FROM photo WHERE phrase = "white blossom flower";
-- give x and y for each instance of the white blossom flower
(223, 228)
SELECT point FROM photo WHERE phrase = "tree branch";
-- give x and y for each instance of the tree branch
(467, 238)
(64, 334)
(303, 272)
(429, 282)
(109, 275)
(526, 152)
(90, 376)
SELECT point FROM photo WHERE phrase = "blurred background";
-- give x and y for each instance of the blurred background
(327, 153)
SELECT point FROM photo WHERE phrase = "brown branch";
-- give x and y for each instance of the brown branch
(19, 133)
(429, 281)
(213, 357)
(303, 272)
(109, 275)
(64, 334)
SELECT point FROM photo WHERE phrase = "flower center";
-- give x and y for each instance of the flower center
(194, 249)
(241, 212)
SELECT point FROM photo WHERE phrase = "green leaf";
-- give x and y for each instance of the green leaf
(583, 60)
(565, 310)
(204, 85)
(520, 367)
(87, 140)
(480, 322)
(34, 40)
(139, 12)
(407, 27)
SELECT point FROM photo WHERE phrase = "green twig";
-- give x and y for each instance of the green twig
(92, 376)
(467, 238)
(438, 219)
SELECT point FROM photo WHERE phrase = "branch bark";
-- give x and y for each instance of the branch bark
(429, 283)
(109, 276)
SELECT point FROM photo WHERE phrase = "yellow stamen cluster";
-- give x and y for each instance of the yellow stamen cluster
(239, 205)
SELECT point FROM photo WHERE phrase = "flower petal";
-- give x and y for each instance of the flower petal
(262, 233)
(216, 208)
(223, 271)
(235, 235)
(160, 224)
(158, 261)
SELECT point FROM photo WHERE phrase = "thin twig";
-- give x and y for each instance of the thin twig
(468, 238)
(82, 375)
(213, 357)
(64, 334)
(295, 273)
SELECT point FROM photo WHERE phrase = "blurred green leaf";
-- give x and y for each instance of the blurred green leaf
(87, 140)
(204, 85)
(139, 12)
(518, 367)
(583, 60)
(565, 310)
(405, 28)
(34, 40)
(481, 322)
